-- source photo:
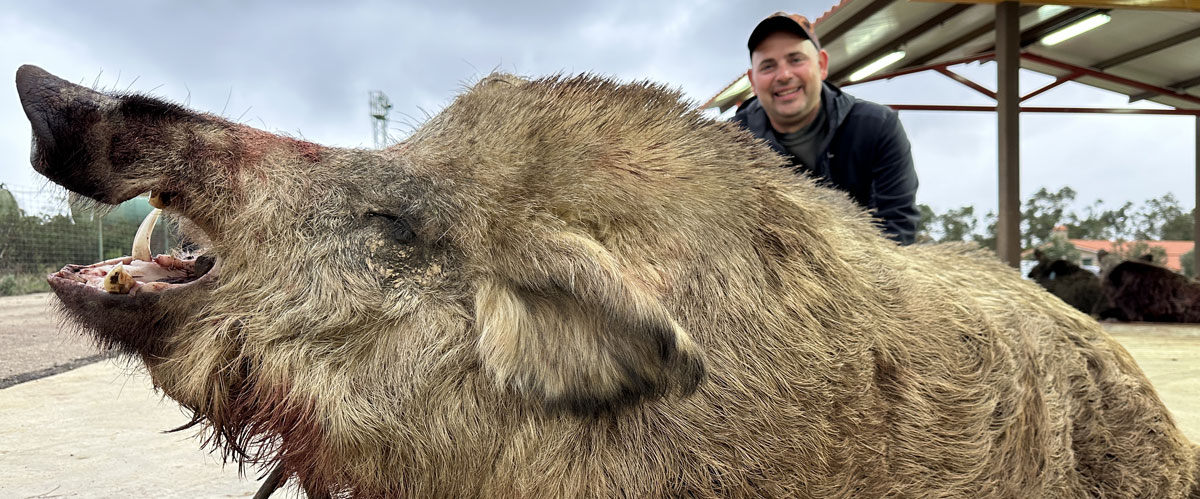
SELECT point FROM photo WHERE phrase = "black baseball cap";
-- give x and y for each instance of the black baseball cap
(782, 21)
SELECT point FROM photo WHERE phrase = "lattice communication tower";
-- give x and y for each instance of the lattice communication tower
(380, 105)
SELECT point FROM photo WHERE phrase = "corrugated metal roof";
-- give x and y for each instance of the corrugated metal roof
(1145, 48)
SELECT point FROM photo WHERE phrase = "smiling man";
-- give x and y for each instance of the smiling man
(857, 146)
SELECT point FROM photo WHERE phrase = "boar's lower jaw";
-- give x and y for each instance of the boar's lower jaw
(116, 321)
(129, 319)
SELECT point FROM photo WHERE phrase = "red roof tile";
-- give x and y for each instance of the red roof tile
(1174, 249)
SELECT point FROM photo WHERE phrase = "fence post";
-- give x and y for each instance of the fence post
(166, 232)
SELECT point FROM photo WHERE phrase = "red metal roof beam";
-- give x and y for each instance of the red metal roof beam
(1177, 89)
(1048, 109)
(1150, 89)
(966, 81)
(1059, 81)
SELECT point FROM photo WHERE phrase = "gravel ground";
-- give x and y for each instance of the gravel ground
(32, 344)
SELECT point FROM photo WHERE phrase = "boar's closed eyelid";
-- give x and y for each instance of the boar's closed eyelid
(399, 227)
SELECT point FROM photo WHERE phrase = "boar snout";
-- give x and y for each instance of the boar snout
(112, 147)
(61, 114)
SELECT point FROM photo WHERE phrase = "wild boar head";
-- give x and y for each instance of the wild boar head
(511, 252)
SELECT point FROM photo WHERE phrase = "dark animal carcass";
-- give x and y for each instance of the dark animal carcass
(1076, 286)
(1140, 291)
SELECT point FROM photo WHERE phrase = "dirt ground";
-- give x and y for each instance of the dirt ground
(32, 344)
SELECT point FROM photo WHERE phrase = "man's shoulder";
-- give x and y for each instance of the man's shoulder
(751, 116)
(866, 124)
(747, 108)
(860, 109)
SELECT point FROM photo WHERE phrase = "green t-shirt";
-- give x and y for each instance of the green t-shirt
(803, 144)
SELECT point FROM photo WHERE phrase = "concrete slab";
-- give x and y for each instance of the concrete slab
(97, 432)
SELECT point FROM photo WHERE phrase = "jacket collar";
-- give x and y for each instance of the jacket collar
(834, 102)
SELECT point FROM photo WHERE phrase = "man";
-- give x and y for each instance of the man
(850, 144)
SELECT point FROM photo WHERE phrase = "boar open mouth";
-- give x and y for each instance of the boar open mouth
(140, 272)
(125, 301)
(130, 276)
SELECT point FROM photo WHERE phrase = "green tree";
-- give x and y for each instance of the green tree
(1133, 250)
(1043, 211)
(1159, 218)
(8, 205)
(1165, 220)
(1101, 224)
(988, 238)
(1180, 228)
(1188, 262)
(10, 222)
(957, 224)
(924, 224)
(1058, 248)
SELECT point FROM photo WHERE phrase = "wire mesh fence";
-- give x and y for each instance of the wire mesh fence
(42, 230)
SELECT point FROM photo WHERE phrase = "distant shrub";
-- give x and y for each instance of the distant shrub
(23, 284)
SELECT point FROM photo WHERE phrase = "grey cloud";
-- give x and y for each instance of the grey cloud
(305, 67)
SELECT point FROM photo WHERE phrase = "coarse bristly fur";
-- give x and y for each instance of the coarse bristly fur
(571, 287)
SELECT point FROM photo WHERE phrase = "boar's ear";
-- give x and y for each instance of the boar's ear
(563, 326)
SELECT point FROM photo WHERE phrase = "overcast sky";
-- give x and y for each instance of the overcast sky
(305, 68)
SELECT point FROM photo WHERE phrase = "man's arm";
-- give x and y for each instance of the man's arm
(894, 182)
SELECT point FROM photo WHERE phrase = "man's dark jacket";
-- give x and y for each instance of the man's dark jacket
(865, 154)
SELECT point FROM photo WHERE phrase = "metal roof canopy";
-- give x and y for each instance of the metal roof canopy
(1149, 50)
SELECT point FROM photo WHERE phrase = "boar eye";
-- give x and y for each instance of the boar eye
(397, 227)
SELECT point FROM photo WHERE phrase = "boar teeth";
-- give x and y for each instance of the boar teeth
(118, 281)
(141, 241)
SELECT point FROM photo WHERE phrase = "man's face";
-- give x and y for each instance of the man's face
(786, 72)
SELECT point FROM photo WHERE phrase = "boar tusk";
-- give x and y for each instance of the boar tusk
(118, 280)
(141, 241)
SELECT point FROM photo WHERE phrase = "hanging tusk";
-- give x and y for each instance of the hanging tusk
(141, 241)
